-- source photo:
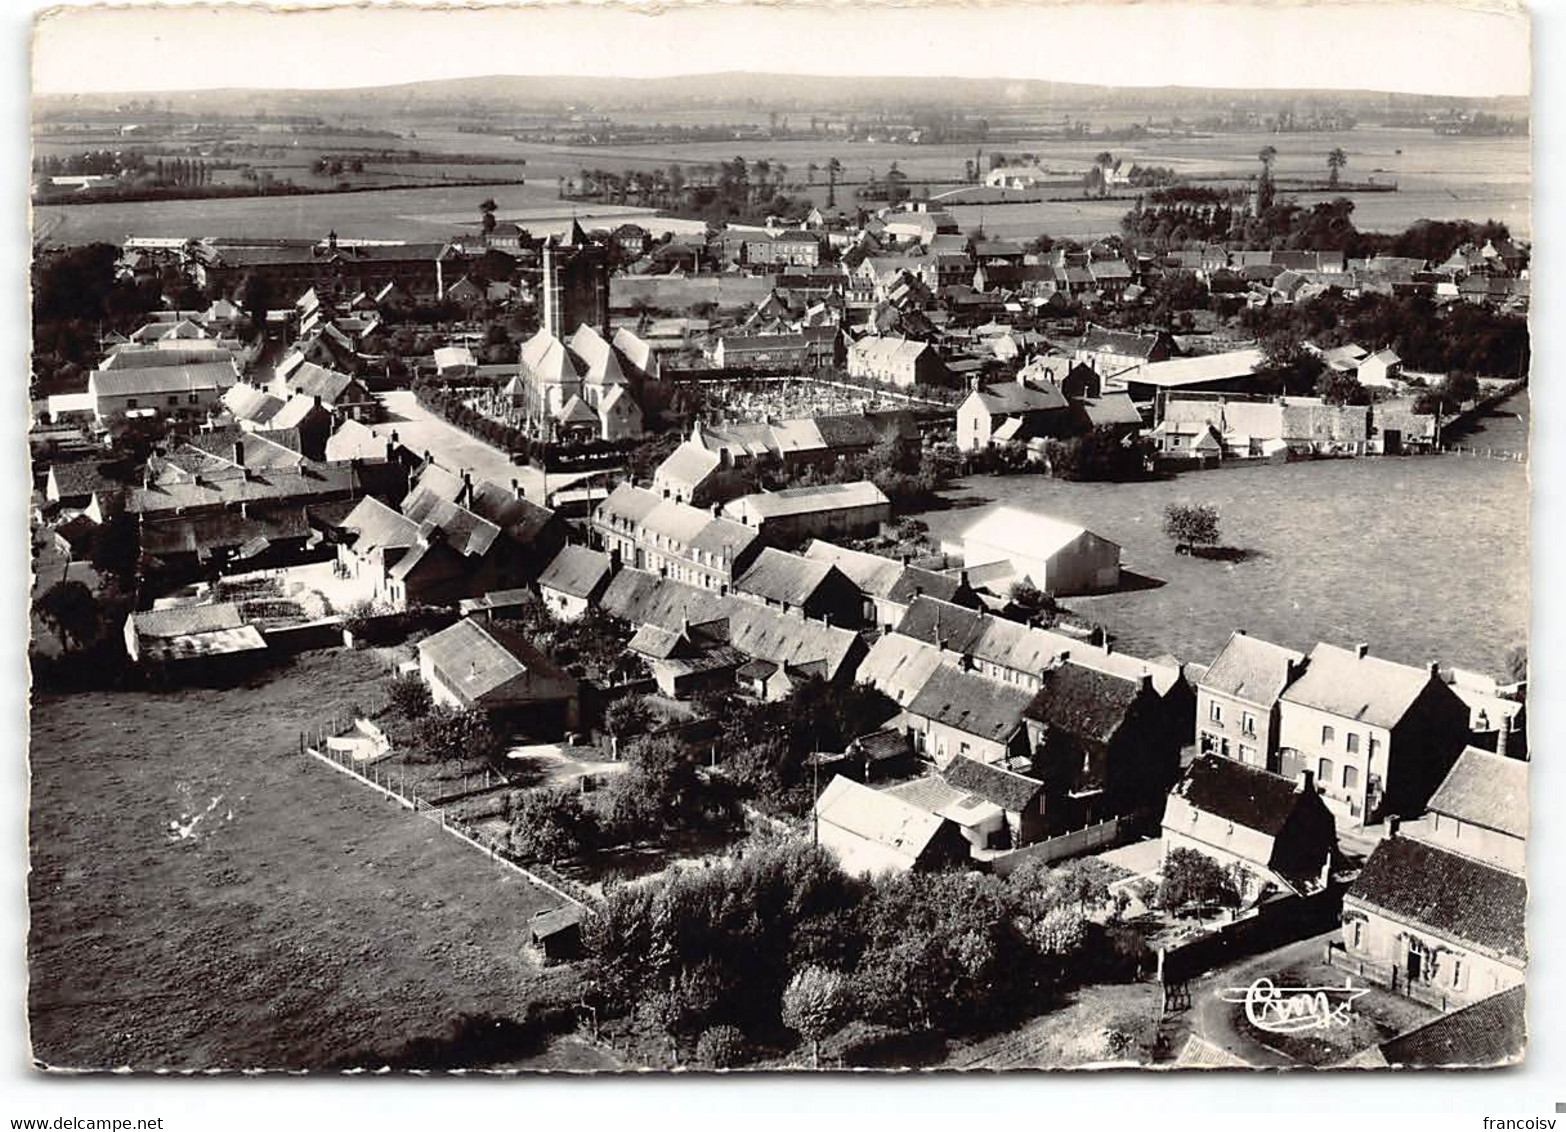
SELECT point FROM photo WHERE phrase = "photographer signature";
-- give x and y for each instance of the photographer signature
(1292, 1010)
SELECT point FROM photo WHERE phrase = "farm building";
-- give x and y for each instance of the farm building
(871, 832)
(475, 664)
(797, 513)
(1057, 557)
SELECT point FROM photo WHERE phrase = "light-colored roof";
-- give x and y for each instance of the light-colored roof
(1364, 688)
(777, 575)
(476, 658)
(247, 403)
(1251, 669)
(1023, 534)
(807, 500)
(871, 573)
(688, 466)
(575, 570)
(1194, 371)
(870, 831)
(1485, 789)
(898, 666)
(885, 351)
(154, 380)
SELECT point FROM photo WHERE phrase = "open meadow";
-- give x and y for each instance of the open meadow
(1425, 558)
(204, 897)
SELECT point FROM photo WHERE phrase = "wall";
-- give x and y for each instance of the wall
(1074, 844)
(1299, 728)
(1372, 935)
(1253, 749)
(1491, 845)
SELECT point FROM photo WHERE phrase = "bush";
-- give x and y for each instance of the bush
(721, 1047)
(627, 716)
(408, 696)
(447, 734)
(1195, 881)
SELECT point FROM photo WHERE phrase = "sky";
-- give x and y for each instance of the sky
(1480, 48)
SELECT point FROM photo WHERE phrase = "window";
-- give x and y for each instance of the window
(1324, 772)
(1248, 724)
(1358, 933)
(1215, 712)
(1248, 755)
(1351, 743)
(195, 399)
(1350, 777)
(1457, 973)
(1327, 735)
(130, 403)
(1375, 749)
(174, 399)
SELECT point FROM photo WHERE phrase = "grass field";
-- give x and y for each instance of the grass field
(202, 897)
(1425, 558)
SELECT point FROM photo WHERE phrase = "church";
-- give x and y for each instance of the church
(586, 386)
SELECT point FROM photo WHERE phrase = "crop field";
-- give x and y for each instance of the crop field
(203, 897)
(1425, 558)
(1438, 177)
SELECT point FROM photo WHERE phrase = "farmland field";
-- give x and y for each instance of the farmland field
(1425, 558)
(1438, 177)
(201, 897)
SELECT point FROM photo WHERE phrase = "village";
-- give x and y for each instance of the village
(638, 560)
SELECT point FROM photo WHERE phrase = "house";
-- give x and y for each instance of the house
(696, 475)
(1019, 799)
(903, 362)
(898, 667)
(1274, 835)
(1015, 411)
(574, 580)
(483, 665)
(1378, 735)
(1237, 700)
(1382, 369)
(176, 391)
(792, 515)
(1057, 557)
(958, 712)
(690, 659)
(529, 535)
(1481, 810)
(83, 486)
(1115, 353)
(1101, 744)
(801, 249)
(452, 362)
(1436, 925)
(800, 586)
(204, 634)
(667, 537)
(813, 347)
(887, 587)
(341, 393)
(872, 832)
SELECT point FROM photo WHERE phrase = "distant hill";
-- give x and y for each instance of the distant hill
(746, 89)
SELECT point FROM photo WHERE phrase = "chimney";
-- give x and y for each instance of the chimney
(394, 439)
(966, 663)
(1147, 683)
(1502, 736)
(516, 489)
(467, 489)
(1239, 632)
(962, 578)
(239, 453)
(1392, 822)
(331, 239)
(717, 510)
(1434, 668)
(317, 400)
(1304, 782)
(1361, 651)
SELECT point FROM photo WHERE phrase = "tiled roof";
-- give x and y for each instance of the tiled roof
(788, 640)
(576, 571)
(376, 527)
(1099, 340)
(1083, 703)
(154, 380)
(1485, 789)
(1009, 790)
(778, 576)
(1455, 896)
(872, 574)
(1492, 1031)
(1245, 795)
(1364, 688)
(687, 467)
(1251, 669)
(971, 703)
(182, 620)
(809, 500)
(1016, 398)
(898, 666)
(82, 478)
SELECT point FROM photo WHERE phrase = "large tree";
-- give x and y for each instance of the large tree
(1191, 524)
(1336, 160)
(71, 612)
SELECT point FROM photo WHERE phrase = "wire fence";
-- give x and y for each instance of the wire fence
(391, 781)
(1485, 453)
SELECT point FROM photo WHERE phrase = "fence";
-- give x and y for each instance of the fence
(1485, 453)
(1073, 844)
(391, 783)
(1390, 976)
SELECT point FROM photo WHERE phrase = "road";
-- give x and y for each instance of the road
(1212, 1019)
(422, 431)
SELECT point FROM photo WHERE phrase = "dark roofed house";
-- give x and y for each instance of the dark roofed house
(1275, 833)
(1019, 797)
(959, 713)
(1101, 743)
(1440, 927)
(477, 664)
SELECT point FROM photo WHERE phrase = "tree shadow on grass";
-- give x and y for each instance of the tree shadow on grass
(472, 1041)
(1231, 554)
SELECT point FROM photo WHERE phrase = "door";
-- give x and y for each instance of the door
(1416, 966)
